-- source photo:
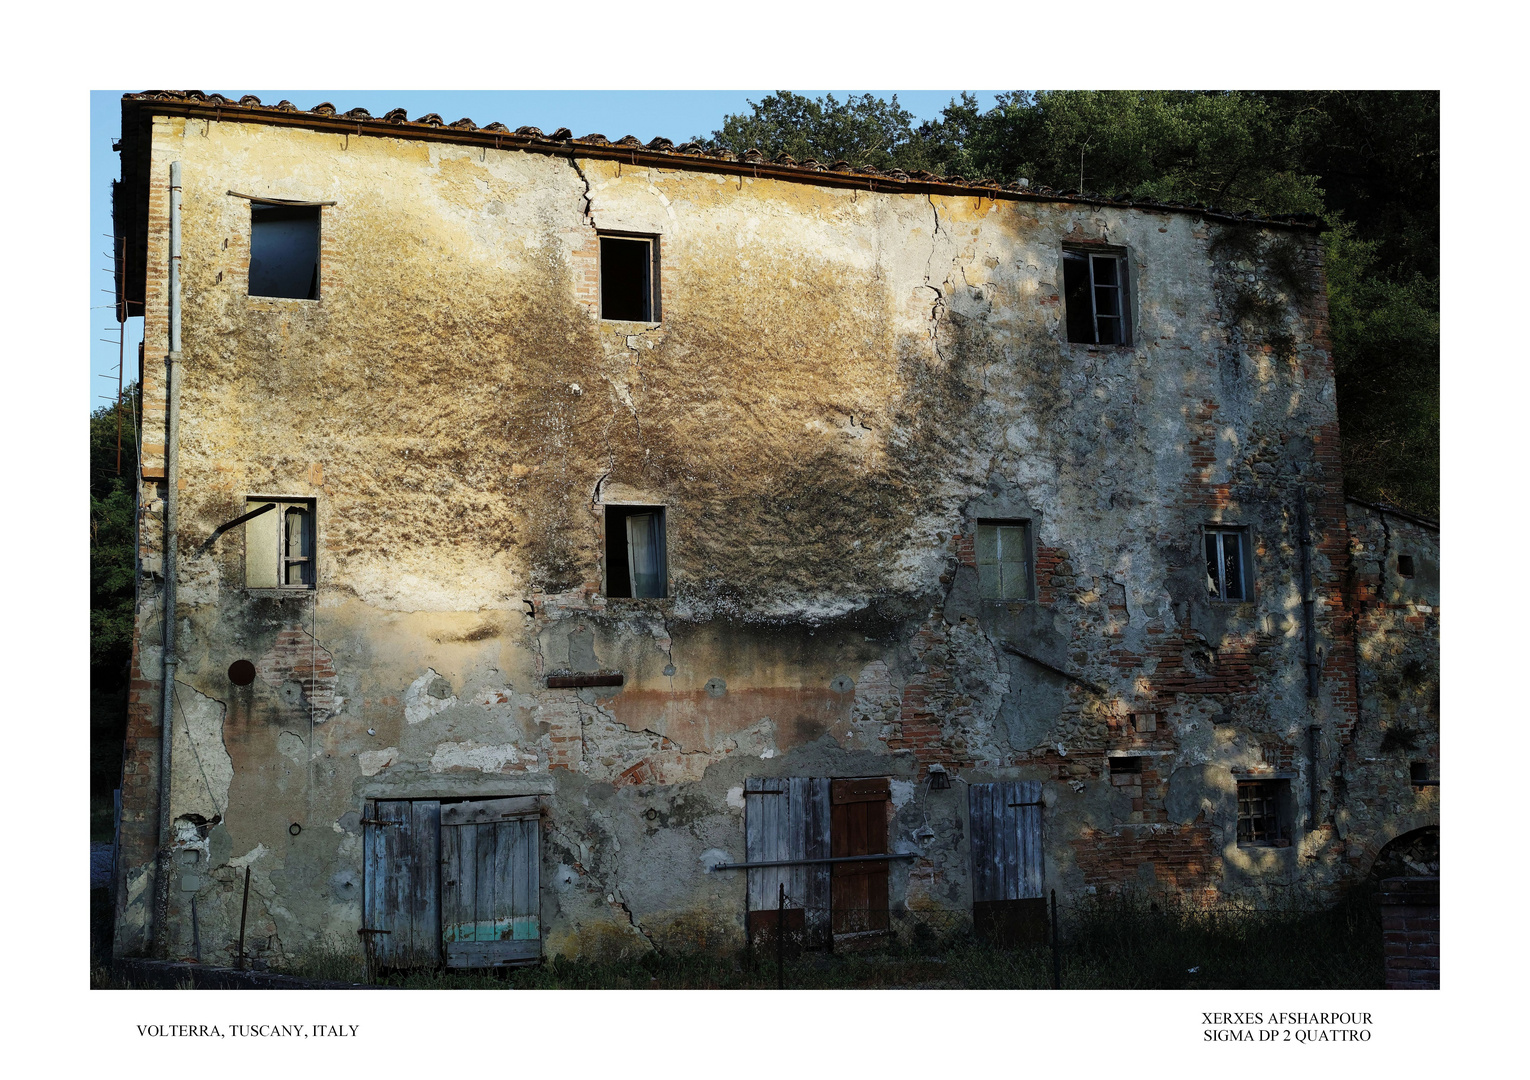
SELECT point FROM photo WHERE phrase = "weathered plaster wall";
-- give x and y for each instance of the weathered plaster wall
(843, 382)
(1397, 635)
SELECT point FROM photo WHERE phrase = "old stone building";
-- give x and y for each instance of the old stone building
(556, 524)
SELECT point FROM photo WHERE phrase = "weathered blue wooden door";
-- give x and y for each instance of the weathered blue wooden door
(490, 883)
(1005, 825)
(401, 910)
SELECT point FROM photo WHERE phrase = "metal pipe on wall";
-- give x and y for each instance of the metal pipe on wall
(168, 566)
(1309, 626)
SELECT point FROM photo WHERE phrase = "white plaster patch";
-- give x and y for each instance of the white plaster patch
(419, 703)
(736, 797)
(375, 761)
(768, 753)
(204, 770)
(714, 857)
(902, 792)
(248, 857)
(480, 756)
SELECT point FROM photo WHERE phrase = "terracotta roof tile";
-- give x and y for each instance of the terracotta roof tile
(782, 165)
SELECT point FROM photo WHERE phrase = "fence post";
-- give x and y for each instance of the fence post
(781, 939)
(1056, 965)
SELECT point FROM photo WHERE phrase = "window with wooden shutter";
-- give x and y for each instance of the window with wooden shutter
(1004, 819)
(1004, 560)
(279, 543)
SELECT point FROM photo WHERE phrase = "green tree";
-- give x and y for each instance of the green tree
(862, 130)
(112, 509)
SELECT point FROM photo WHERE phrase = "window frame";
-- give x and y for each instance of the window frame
(1277, 807)
(1030, 558)
(284, 504)
(1245, 562)
(1122, 285)
(317, 290)
(655, 305)
(605, 560)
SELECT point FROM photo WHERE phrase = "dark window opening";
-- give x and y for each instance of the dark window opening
(284, 251)
(627, 276)
(1226, 578)
(1004, 560)
(1125, 765)
(297, 547)
(1405, 565)
(1264, 813)
(636, 562)
(1094, 298)
(1422, 775)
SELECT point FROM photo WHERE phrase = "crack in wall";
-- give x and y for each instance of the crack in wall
(589, 203)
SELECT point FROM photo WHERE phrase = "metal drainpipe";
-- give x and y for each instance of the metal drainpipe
(1309, 634)
(168, 565)
(1308, 626)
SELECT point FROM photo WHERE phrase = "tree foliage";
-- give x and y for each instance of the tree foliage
(1365, 162)
(111, 535)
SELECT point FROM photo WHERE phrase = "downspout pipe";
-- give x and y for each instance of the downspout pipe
(1309, 637)
(168, 562)
(1309, 627)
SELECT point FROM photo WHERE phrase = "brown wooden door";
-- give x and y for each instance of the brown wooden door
(858, 826)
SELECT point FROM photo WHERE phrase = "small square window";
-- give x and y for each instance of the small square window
(279, 544)
(1227, 564)
(1145, 721)
(1121, 765)
(284, 251)
(1405, 565)
(629, 277)
(1095, 297)
(636, 560)
(1004, 560)
(1421, 773)
(1264, 813)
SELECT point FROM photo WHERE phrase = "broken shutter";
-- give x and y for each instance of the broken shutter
(1005, 821)
(788, 819)
(262, 547)
(859, 827)
(490, 882)
(401, 910)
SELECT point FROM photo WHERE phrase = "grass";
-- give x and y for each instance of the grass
(1122, 942)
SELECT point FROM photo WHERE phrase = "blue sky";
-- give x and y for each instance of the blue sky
(678, 115)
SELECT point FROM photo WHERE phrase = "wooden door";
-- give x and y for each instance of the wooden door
(1005, 824)
(490, 883)
(787, 819)
(401, 911)
(858, 826)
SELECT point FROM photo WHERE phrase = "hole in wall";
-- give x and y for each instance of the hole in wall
(241, 673)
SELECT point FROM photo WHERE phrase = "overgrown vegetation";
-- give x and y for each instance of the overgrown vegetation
(1117, 942)
(111, 597)
(1365, 162)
